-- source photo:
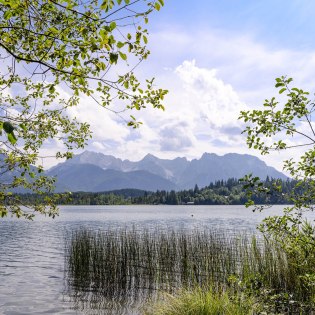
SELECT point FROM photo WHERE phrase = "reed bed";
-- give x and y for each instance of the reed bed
(129, 266)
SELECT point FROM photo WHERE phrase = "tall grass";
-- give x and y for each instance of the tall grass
(203, 302)
(129, 266)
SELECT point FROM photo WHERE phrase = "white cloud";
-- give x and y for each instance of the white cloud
(248, 65)
(201, 115)
(104, 124)
(213, 102)
(175, 137)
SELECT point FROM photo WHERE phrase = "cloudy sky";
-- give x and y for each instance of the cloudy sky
(216, 58)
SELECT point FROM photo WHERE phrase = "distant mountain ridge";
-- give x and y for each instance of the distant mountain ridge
(169, 169)
(92, 178)
(94, 172)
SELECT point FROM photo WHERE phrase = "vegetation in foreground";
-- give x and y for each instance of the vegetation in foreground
(129, 265)
(203, 302)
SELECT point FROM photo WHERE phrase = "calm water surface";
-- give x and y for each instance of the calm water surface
(32, 264)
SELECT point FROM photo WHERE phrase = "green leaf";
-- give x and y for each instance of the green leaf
(282, 90)
(54, 30)
(122, 56)
(107, 5)
(296, 90)
(3, 212)
(113, 58)
(7, 14)
(51, 89)
(279, 84)
(8, 127)
(157, 6)
(22, 126)
(112, 26)
(11, 137)
(120, 45)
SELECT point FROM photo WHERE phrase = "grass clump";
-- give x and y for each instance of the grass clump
(203, 302)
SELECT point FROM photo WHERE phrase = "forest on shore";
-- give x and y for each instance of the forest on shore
(221, 192)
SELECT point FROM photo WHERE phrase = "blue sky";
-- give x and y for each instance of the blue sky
(277, 23)
(215, 58)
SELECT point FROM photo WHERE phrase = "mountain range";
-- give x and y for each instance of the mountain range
(95, 172)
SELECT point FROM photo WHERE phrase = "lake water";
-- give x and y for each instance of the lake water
(32, 263)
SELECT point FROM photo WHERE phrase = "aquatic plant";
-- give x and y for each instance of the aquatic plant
(130, 266)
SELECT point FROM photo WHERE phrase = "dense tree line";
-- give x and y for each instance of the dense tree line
(228, 192)
(221, 192)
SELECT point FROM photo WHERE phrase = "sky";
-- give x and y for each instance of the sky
(216, 58)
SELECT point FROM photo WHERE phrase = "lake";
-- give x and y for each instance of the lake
(32, 254)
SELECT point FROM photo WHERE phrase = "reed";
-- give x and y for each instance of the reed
(129, 266)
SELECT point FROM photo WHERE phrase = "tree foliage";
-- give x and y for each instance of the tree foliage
(282, 125)
(52, 53)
